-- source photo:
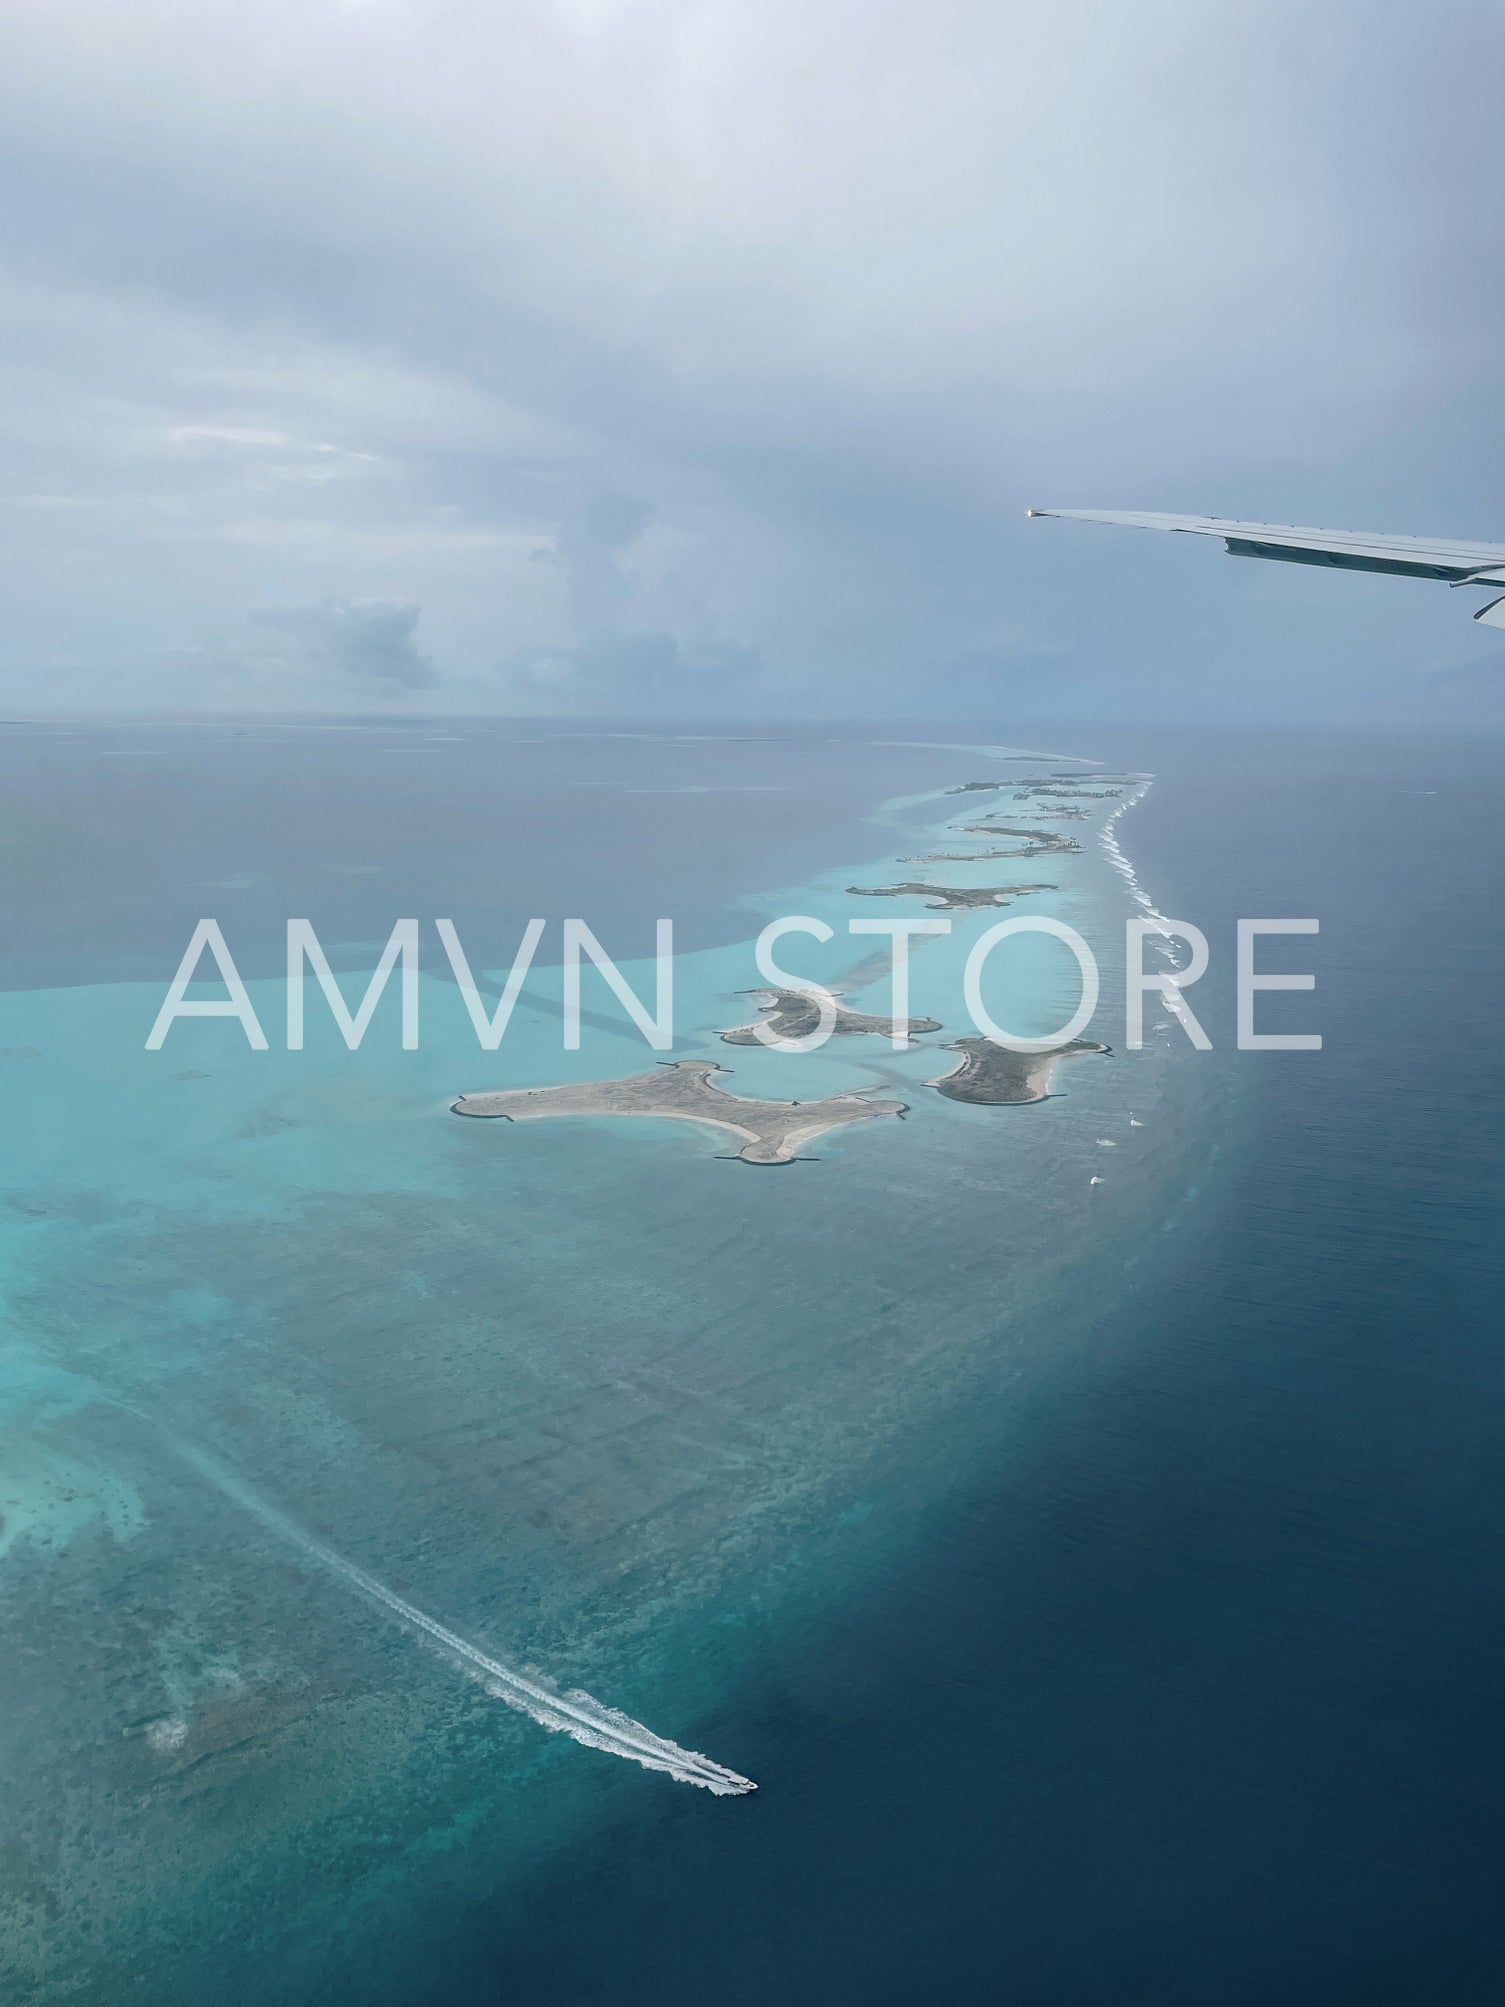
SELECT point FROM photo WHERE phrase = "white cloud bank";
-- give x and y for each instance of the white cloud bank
(702, 354)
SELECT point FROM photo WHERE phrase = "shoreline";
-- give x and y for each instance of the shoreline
(682, 1091)
(796, 1014)
(952, 898)
(990, 1075)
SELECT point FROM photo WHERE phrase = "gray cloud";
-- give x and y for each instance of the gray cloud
(370, 645)
(642, 674)
(822, 297)
(639, 644)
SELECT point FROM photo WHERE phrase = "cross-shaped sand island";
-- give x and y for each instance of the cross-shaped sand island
(682, 1091)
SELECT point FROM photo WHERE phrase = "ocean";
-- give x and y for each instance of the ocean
(1079, 1520)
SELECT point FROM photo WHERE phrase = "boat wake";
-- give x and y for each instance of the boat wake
(573, 1713)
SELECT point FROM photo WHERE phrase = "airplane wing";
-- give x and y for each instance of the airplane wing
(1346, 550)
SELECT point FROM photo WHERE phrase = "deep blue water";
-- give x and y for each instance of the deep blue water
(1196, 1696)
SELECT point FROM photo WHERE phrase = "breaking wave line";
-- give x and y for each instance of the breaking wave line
(1125, 869)
(574, 1713)
(1164, 927)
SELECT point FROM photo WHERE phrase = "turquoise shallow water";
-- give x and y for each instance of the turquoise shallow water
(615, 1410)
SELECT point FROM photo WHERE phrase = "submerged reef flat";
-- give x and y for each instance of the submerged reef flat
(681, 1090)
(995, 1075)
(952, 898)
(793, 1014)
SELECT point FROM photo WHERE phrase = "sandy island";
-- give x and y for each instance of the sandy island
(1037, 842)
(976, 857)
(793, 1014)
(1054, 787)
(952, 898)
(1033, 792)
(681, 1090)
(993, 1074)
(1058, 786)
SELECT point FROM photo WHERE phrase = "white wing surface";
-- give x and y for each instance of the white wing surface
(1443, 558)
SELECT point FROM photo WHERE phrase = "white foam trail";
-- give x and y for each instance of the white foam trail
(1158, 920)
(575, 1714)
(1126, 870)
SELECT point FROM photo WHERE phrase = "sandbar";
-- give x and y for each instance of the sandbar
(995, 1075)
(952, 898)
(1038, 842)
(1032, 791)
(793, 1014)
(681, 1090)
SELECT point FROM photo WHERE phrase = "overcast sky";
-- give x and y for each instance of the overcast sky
(652, 356)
